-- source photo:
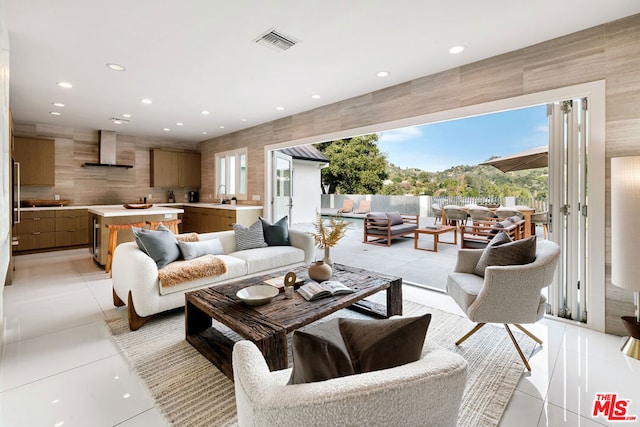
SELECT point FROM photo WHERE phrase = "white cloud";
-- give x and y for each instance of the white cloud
(542, 128)
(400, 135)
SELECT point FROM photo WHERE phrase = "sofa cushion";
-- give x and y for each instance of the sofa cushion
(276, 234)
(395, 230)
(502, 251)
(395, 218)
(262, 259)
(249, 237)
(235, 268)
(341, 347)
(161, 244)
(191, 250)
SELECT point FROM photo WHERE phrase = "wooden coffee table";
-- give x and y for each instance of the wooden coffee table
(268, 325)
(435, 232)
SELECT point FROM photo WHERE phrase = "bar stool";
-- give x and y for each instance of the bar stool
(171, 224)
(113, 240)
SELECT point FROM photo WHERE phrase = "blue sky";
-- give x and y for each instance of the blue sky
(438, 146)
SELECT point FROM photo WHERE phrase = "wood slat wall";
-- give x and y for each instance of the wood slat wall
(610, 52)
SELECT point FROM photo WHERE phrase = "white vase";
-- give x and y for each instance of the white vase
(327, 259)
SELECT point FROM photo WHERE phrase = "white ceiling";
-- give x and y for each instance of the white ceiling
(193, 55)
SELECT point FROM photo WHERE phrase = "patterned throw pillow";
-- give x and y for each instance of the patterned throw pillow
(503, 251)
(249, 238)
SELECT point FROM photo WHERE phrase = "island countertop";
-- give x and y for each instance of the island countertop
(119, 210)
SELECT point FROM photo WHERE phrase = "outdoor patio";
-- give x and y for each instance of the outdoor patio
(422, 268)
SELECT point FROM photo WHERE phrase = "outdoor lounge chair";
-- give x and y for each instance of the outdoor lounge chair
(385, 226)
(347, 206)
(363, 207)
(479, 234)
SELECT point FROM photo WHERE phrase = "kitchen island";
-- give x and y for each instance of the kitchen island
(100, 216)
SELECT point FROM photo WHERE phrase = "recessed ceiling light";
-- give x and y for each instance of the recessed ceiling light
(65, 85)
(57, 104)
(146, 101)
(221, 127)
(117, 122)
(243, 120)
(280, 108)
(204, 133)
(116, 67)
(127, 116)
(166, 129)
(179, 124)
(382, 73)
(204, 112)
(315, 96)
(456, 49)
(55, 113)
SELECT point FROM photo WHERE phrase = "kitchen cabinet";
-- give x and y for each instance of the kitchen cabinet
(36, 230)
(37, 161)
(71, 227)
(175, 169)
(206, 220)
(51, 228)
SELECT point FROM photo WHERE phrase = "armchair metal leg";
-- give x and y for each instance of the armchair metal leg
(529, 334)
(515, 343)
(471, 332)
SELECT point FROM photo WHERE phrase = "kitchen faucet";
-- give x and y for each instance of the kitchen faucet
(219, 193)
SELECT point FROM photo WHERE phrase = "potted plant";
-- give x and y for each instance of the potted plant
(327, 236)
(234, 200)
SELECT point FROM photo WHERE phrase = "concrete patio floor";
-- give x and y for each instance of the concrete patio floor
(422, 268)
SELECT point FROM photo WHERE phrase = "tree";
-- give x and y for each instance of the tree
(356, 165)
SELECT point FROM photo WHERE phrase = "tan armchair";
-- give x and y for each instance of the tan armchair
(507, 294)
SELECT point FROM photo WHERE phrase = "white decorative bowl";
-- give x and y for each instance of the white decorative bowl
(257, 295)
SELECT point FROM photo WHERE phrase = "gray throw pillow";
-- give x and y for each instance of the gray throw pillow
(161, 244)
(503, 251)
(395, 218)
(276, 234)
(341, 347)
(249, 238)
(191, 250)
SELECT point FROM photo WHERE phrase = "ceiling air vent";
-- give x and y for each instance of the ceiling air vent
(276, 40)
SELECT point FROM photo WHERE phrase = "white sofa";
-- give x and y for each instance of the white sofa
(427, 392)
(135, 275)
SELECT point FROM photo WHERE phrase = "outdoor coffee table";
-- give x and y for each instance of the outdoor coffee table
(268, 325)
(435, 232)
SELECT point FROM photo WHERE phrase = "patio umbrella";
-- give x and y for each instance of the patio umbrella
(529, 159)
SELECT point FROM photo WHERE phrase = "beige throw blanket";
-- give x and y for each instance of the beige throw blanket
(184, 271)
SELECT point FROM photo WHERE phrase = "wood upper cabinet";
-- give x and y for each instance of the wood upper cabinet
(189, 169)
(37, 161)
(175, 169)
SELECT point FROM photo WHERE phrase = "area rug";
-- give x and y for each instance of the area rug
(190, 391)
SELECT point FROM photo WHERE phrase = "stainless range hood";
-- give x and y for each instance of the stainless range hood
(108, 151)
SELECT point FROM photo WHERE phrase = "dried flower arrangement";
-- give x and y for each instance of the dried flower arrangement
(326, 236)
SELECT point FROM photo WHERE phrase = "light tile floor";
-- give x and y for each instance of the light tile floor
(60, 367)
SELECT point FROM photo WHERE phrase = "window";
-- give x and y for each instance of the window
(231, 172)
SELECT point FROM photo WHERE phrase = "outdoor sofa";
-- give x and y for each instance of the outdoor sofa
(382, 227)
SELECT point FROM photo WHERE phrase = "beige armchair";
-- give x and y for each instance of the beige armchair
(507, 294)
(427, 392)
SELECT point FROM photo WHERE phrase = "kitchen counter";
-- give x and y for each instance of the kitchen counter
(177, 205)
(121, 211)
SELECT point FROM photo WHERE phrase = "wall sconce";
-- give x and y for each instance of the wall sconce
(625, 240)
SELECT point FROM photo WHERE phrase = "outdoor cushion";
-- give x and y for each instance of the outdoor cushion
(395, 218)
(395, 230)
(502, 251)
